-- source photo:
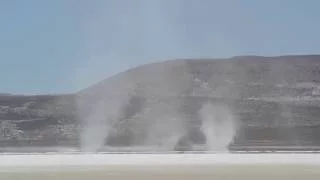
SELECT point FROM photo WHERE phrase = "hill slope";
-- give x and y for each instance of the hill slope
(271, 99)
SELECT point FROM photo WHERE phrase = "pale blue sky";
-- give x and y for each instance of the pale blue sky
(61, 46)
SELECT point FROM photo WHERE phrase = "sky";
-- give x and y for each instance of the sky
(62, 46)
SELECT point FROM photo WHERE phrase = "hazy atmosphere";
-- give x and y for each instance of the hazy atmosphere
(215, 89)
(64, 46)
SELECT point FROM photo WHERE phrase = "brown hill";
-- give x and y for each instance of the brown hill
(273, 99)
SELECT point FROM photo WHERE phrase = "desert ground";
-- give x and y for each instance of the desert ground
(165, 166)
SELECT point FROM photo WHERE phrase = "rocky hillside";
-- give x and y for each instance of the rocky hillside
(33, 120)
(275, 101)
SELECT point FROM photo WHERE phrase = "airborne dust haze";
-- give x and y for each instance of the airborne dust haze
(150, 30)
(218, 125)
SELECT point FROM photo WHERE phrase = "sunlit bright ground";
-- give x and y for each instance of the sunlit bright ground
(147, 167)
(230, 172)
